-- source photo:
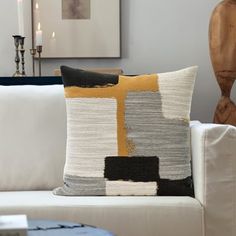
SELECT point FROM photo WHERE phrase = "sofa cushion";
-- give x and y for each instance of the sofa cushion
(32, 137)
(124, 216)
(127, 135)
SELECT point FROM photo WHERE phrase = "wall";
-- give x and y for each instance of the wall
(157, 36)
(8, 19)
(9, 27)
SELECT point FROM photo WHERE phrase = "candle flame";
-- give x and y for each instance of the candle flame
(53, 34)
(39, 26)
(37, 6)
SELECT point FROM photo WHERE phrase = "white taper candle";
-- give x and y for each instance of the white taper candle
(20, 11)
(39, 36)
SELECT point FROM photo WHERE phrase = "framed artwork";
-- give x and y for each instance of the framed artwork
(77, 28)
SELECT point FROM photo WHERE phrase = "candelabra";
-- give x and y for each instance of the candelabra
(33, 53)
(17, 39)
(39, 49)
(22, 51)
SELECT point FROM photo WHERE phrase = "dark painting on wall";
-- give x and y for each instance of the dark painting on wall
(75, 9)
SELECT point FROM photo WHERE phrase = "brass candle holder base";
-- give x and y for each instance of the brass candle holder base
(17, 74)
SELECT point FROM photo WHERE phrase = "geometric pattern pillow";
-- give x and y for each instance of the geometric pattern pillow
(127, 135)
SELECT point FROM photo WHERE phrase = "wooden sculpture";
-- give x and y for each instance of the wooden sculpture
(222, 40)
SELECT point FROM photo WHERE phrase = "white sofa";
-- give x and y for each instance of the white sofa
(32, 155)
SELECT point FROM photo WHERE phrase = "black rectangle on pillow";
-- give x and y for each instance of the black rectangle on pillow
(86, 79)
(138, 169)
(182, 187)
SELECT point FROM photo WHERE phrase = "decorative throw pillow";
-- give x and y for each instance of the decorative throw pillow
(127, 135)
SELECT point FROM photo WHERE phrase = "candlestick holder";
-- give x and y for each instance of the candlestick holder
(22, 52)
(17, 57)
(39, 51)
(33, 52)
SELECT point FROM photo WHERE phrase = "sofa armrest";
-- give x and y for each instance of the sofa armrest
(214, 174)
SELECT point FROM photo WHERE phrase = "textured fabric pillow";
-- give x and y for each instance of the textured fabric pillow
(127, 135)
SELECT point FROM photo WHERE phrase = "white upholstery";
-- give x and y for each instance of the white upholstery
(32, 137)
(32, 156)
(125, 216)
(214, 173)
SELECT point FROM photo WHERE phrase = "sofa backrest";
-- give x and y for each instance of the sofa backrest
(32, 137)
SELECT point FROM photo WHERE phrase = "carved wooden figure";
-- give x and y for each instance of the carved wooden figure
(222, 40)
